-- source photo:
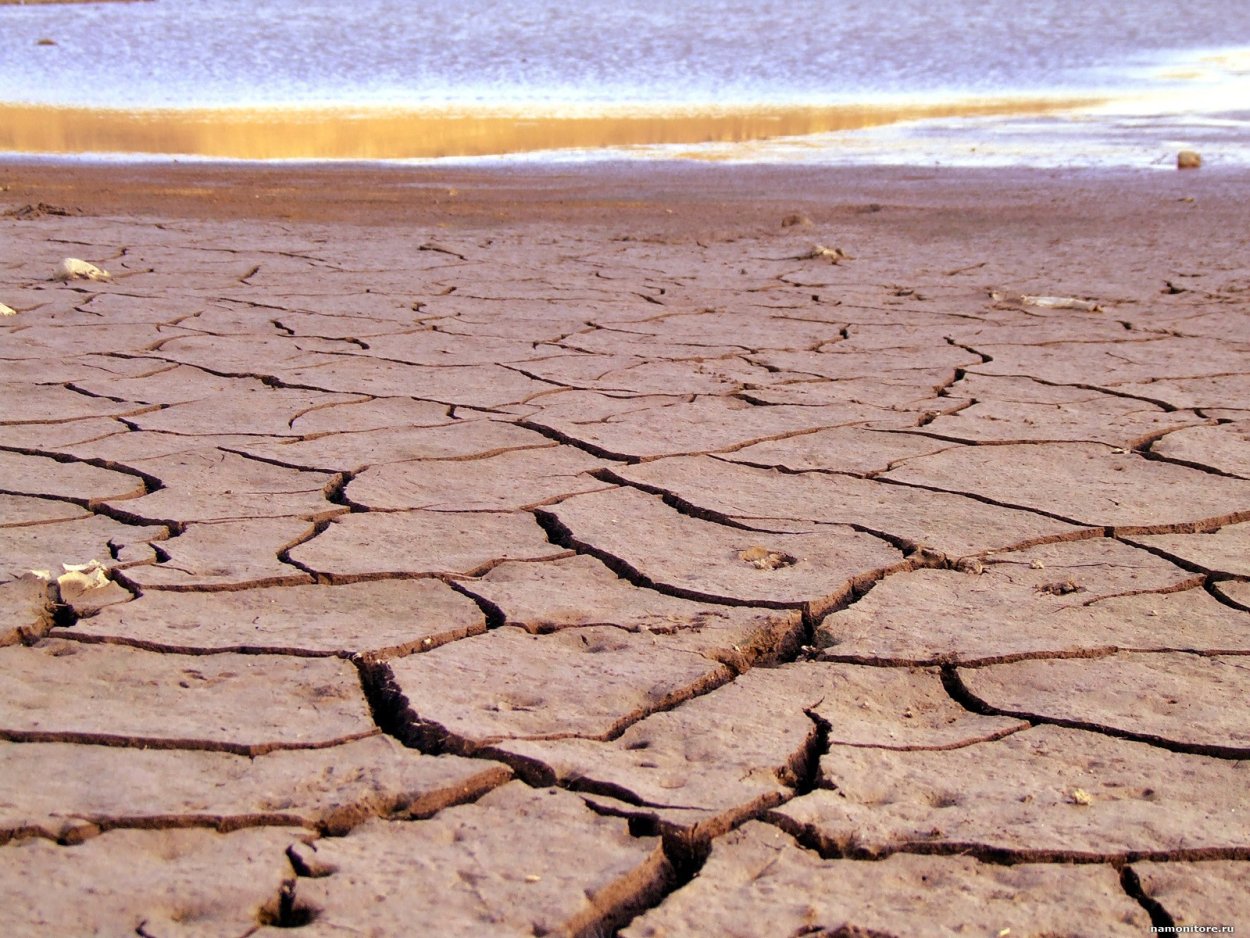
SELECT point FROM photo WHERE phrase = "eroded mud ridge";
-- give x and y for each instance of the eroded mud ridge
(551, 582)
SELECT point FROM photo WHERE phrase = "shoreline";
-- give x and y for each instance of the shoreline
(606, 192)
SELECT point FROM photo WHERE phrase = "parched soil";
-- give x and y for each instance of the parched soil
(654, 551)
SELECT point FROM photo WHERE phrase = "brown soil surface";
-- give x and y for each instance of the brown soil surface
(582, 550)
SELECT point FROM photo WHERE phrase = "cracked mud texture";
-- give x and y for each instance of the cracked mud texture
(572, 553)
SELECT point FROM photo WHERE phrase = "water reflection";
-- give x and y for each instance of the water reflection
(263, 134)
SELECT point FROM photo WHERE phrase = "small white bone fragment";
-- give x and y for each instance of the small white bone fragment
(819, 250)
(79, 578)
(1047, 302)
(1061, 302)
(7, 310)
(72, 268)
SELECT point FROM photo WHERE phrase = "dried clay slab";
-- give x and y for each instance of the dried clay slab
(75, 692)
(190, 883)
(758, 881)
(516, 861)
(84, 789)
(1046, 794)
(384, 617)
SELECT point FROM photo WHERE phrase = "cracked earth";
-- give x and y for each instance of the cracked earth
(632, 576)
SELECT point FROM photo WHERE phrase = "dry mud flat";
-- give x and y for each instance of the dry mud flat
(592, 556)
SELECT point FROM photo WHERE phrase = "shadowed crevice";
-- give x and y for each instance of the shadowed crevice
(494, 614)
(1211, 586)
(1160, 918)
(393, 714)
(679, 504)
(552, 433)
(284, 555)
(1147, 452)
(817, 747)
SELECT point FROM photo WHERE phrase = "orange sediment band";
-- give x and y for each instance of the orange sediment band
(383, 133)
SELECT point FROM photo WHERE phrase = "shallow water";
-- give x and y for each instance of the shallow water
(384, 78)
